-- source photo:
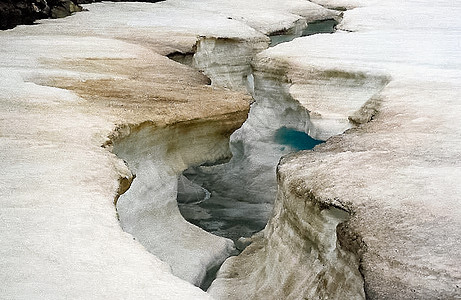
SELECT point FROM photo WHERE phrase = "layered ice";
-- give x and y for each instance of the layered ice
(148, 210)
(242, 191)
(234, 199)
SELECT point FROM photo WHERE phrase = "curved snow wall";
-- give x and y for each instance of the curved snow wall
(226, 61)
(235, 199)
(298, 255)
(148, 210)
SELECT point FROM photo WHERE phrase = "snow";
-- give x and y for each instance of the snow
(66, 86)
(69, 86)
(60, 234)
(396, 175)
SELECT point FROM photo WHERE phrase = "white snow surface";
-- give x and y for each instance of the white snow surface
(60, 238)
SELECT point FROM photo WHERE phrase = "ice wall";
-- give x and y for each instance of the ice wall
(297, 256)
(284, 100)
(227, 62)
(242, 190)
(148, 210)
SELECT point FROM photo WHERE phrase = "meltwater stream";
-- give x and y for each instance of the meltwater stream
(297, 140)
(234, 199)
(222, 207)
(321, 26)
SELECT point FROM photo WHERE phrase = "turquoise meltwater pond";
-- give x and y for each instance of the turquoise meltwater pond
(296, 140)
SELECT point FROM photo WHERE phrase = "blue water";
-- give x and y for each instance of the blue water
(322, 26)
(296, 140)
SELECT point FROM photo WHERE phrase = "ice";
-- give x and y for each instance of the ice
(66, 85)
(72, 85)
(395, 174)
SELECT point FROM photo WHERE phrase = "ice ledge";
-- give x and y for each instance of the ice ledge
(401, 190)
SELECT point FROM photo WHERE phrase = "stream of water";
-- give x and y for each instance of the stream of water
(222, 199)
(218, 207)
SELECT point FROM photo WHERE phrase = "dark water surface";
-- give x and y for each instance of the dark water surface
(322, 26)
(221, 207)
(296, 140)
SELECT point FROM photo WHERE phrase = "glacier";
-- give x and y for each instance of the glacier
(98, 124)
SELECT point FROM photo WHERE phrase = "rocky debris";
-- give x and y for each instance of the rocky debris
(22, 12)
(64, 8)
(13, 13)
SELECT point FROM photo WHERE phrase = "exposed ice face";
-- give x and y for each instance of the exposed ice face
(297, 256)
(148, 210)
(257, 147)
(227, 62)
(235, 199)
(242, 190)
(400, 189)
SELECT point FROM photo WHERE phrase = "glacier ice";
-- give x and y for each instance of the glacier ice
(67, 84)
(393, 185)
